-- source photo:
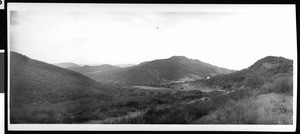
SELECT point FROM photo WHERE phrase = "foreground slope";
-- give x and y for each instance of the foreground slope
(35, 85)
(176, 68)
(260, 94)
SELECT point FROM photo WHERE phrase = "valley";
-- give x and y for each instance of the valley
(180, 87)
(176, 90)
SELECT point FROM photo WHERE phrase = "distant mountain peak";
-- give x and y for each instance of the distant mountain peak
(179, 57)
(85, 66)
(125, 65)
(66, 64)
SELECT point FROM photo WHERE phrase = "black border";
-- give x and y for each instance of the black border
(3, 42)
(3, 29)
(2, 66)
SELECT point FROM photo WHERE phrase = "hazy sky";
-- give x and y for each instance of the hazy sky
(234, 37)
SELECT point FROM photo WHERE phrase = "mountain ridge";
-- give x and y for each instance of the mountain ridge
(156, 71)
(66, 64)
(86, 69)
(265, 69)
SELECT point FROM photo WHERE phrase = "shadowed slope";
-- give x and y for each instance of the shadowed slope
(35, 84)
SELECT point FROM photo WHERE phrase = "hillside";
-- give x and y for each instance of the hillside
(93, 69)
(261, 94)
(67, 64)
(176, 68)
(35, 85)
(44, 93)
(265, 69)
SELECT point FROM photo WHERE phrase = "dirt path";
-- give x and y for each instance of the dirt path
(181, 87)
(151, 88)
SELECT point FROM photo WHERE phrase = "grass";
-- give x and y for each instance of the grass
(282, 85)
(275, 108)
(181, 113)
(241, 106)
(233, 112)
(270, 103)
(85, 109)
(43, 93)
(171, 114)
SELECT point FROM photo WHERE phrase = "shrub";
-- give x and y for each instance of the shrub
(131, 103)
(240, 112)
(283, 85)
(280, 85)
(65, 117)
(227, 86)
(172, 114)
(266, 88)
(239, 94)
(199, 109)
(37, 116)
(253, 81)
(220, 100)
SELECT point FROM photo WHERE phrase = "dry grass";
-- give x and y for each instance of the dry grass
(240, 112)
(275, 109)
(271, 103)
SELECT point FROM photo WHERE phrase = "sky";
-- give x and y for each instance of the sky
(228, 36)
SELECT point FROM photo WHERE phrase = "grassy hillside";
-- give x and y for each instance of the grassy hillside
(44, 93)
(41, 88)
(264, 70)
